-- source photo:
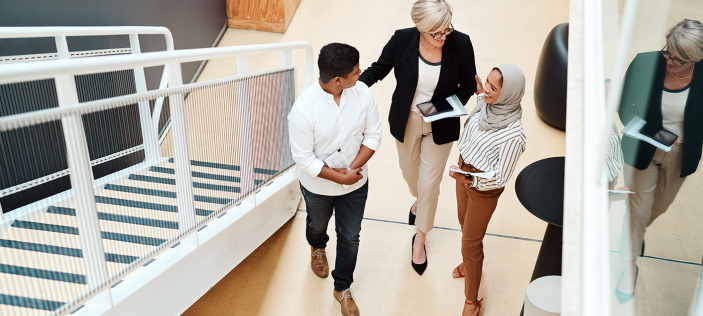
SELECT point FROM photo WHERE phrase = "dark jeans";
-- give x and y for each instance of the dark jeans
(349, 211)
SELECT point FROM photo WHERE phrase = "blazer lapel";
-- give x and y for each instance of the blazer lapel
(693, 112)
(447, 55)
(414, 54)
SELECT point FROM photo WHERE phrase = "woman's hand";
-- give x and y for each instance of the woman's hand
(479, 85)
(458, 176)
(627, 195)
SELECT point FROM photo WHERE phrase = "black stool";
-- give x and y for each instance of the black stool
(540, 189)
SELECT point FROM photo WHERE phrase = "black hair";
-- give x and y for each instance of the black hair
(337, 60)
(501, 75)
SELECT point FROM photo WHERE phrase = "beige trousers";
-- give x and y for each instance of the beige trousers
(655, 189)
(423, 164)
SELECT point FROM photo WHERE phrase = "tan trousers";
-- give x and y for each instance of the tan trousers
(423, 164)
(655, 189)
(475, 209)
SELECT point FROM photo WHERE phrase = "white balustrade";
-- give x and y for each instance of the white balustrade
(70, 110)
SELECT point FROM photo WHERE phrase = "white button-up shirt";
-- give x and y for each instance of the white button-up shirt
(318, 127)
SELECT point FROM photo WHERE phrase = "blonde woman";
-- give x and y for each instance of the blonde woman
(431, 61)
(666, 90)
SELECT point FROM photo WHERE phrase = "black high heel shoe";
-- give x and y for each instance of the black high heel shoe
(411, 217)
(418, 267)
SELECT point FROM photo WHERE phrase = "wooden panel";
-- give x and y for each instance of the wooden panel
(257, 10)
(261, 15)
(291, 7)
(256, 25)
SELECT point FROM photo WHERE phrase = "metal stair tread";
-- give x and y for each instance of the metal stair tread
(150, 191)
(46, 234)
(11, 303)
(149, 195)
(117, 223)
(60, 291)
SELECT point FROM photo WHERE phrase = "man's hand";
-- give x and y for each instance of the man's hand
(341, 175)
(350, 177)
(340, 170)
(458, 176)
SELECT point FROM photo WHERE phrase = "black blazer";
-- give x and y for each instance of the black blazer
(642, 96)
(456, 76)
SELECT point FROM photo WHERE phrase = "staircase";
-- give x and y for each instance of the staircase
(137, 213)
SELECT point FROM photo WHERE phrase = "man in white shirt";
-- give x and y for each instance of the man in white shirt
(325, 117)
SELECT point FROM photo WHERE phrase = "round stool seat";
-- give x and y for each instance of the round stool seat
(540, 189)
(543, 297)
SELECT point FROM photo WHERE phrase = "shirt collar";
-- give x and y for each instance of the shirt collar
(328, 96)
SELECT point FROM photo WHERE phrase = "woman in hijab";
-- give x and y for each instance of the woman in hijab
(492, 142)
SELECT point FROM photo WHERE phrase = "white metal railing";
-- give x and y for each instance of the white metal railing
(70, 110)
(149, 131)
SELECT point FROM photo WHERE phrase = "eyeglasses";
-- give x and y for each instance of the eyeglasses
(439, 35)
(675, 60)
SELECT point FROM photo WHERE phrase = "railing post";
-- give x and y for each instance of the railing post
(151, 143)
(287, 58)
(184, 183)
(158, 105)
(81, 174)
(246, 139)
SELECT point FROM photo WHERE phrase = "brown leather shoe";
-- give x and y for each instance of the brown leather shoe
(347, 301)
(319, 262)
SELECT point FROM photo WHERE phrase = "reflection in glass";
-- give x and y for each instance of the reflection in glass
(657, 230)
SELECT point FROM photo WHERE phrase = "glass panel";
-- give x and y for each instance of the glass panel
(656, 242)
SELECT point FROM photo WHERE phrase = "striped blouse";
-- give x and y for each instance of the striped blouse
(491, 150)
(613, 156)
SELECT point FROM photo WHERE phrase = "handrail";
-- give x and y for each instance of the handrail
(53, 31)
(133, 31)
(48, 69)
(16, 121)
(60, 33)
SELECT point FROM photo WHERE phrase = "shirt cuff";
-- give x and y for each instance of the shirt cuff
(372, 144)
(315, 167)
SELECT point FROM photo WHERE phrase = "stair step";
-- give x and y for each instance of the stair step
(216, 165)
(74, 231)
(168, 194)
(64, 251)
(43, 274)
(40, 288)
(103, 216)
(199, 185)
(197, 174)
(27, 302)
(146, 205)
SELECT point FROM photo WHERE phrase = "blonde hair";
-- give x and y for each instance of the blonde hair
(431, 15)
(686, 40)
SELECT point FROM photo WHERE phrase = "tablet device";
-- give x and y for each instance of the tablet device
(663, 136)
(434, 107)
